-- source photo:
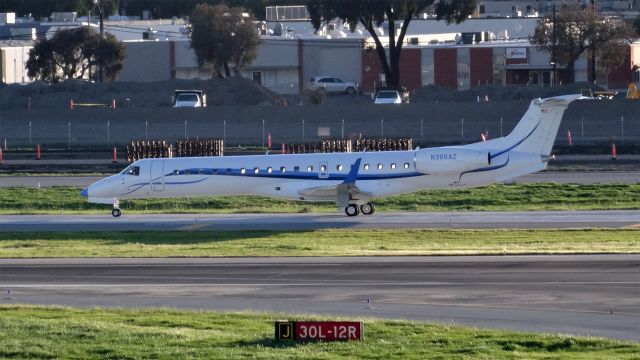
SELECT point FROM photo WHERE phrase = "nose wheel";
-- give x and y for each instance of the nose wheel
(116, 209)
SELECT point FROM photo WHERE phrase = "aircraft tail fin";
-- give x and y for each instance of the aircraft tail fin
(538, 128)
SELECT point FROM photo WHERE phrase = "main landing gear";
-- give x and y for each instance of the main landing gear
(354, 210)
(116, 209)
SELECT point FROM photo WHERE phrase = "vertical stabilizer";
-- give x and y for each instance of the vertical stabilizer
(538, 128)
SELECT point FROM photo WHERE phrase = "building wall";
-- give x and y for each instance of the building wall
(481, 63)
(620, 77)
(410, 65)
(338, 57)
(13, 61)
(146, 61)
(446, 70)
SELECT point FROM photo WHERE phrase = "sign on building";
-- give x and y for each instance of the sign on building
(517, 53)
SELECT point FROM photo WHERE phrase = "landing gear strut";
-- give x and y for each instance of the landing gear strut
(116, 209)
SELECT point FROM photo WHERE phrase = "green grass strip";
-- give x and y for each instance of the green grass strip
(538, 196)
(67, 333)
(326, 242)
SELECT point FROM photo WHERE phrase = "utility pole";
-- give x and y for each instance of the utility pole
(98, 3)
(553, 47)
(593, 47)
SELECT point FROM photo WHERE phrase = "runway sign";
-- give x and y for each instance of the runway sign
(319, 330)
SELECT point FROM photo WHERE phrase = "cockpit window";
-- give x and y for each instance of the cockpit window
(132, 170)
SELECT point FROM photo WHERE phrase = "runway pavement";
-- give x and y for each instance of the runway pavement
(563, 177)
(587, 294)
(379, 220)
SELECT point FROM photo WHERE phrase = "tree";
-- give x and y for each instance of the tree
(372, 13)
(580, 29)
(221, 35)
(73, 53)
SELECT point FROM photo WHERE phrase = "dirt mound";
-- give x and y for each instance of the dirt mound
(232, 91)
(433, 93)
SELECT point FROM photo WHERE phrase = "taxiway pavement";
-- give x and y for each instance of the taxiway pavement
(281, 222)
(595, 295)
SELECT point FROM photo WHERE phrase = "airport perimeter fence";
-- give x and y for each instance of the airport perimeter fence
(428, 124)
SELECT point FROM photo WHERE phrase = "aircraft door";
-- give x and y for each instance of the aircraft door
(156, 175)
(323, 170)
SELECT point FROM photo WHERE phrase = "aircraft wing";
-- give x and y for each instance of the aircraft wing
(342, 193)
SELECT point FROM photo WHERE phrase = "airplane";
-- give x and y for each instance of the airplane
(351, 180)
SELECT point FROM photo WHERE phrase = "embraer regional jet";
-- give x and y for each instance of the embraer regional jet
(351, 180)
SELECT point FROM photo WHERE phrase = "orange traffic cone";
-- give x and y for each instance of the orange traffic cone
(38, 152)
(115, 155)
(1, 159)
(613, 152)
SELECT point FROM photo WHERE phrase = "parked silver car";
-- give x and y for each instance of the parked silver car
(332, 84)
(387, 97)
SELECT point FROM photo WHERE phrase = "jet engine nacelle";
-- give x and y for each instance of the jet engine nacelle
(450, 160)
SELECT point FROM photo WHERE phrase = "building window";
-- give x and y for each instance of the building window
(257, 77)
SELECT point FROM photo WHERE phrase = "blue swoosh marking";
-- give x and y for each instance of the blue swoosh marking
(516, 144)
(495, 167)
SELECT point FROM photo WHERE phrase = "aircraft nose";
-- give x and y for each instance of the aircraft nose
(85, 192)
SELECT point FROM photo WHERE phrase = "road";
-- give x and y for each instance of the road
(564, 177)
(587, 294)
(397, 220)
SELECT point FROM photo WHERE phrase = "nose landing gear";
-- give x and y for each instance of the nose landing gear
(116, 209)
(354, 210)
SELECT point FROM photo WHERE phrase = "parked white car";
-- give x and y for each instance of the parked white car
(189, 98)
(332, 84)
(388, 97)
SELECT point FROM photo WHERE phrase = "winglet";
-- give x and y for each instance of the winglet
(353, 173)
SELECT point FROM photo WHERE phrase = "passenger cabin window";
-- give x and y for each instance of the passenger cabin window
(132, 170)
(176, 172)
(309, 168)
(269, 169)
(393, 165)
(296, 168)
(339, 167)
(256, 170)
(406, 165)
(366, 166)
(228, 170)
(243, 170)
(379, 166)
(323, 168)
(283, 169)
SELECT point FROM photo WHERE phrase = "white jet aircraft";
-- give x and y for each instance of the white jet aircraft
(351, 180)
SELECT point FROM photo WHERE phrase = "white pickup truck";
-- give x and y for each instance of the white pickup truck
(189, 98)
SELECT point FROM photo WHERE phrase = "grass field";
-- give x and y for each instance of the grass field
(67, 333)
(539, 196)
(326, 242)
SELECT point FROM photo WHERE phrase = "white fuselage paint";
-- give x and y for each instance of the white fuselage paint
(315, 177)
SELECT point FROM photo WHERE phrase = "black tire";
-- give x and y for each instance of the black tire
(352, 210)
(116, 212)
(367, 209)
(350, 90)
